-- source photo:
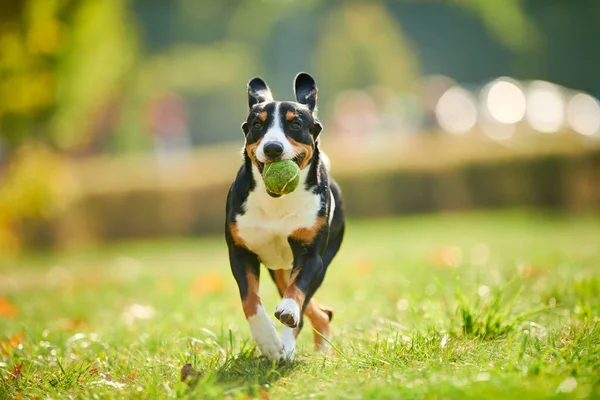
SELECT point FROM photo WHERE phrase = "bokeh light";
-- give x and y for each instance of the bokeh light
(583, 114)
(545, 107)
(456, 110)
(505, 101)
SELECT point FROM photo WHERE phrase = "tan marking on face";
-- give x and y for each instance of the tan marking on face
(307, 235)
(290, 115)
(319, 320)
(251, 150)
(252, 301)
(262, 116)
(235, 235)
(301, 148)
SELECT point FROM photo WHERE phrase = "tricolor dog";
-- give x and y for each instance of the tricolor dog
(295, 236)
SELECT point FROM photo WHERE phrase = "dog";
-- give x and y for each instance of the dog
(295, 236)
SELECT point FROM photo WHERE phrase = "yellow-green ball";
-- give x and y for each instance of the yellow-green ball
(281, 177)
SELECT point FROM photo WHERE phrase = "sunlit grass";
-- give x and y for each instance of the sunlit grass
(478, 305)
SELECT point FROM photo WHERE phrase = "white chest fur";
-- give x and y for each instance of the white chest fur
(268, 222)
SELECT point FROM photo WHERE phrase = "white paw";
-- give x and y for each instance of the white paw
(265, 335)
(274, 350)
(289, 343)
(288, 312)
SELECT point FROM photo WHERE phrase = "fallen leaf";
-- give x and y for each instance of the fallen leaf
(16, 372)
(207, 283)
(132, 375)
(7, 309)
(93, 371)
(189, 375)
(11, 344)
(264, 394)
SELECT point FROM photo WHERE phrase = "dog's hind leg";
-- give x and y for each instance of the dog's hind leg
(320, 316)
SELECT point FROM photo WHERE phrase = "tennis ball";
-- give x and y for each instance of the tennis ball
(281, 177)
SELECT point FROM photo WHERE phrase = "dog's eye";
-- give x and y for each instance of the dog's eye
(295, 125)
(257, 125)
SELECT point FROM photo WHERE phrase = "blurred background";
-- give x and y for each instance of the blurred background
(121, 119)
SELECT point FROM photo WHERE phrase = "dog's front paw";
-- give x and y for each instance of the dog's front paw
(288, 339)
(265, 335)
(288, 313)
(273, 350)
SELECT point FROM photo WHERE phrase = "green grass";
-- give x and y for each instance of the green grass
(471, 306)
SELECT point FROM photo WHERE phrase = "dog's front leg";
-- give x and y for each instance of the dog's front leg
(307, 275)
(246, 270)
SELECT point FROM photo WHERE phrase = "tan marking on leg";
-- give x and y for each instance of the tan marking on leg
(235, 234)
(252, 301)
(319, 320)
(301, 148)
(262, 116)
(282, 279)
(307, 235)
(318, 315)
(290, 115)
(292, 291)
(293, 276)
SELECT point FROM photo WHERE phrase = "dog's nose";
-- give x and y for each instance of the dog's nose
(273, 150)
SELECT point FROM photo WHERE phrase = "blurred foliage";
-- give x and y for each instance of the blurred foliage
(79, 77)
(73, 74)
(372, 45)
(37, 185)
(507, 20)
(59, 62)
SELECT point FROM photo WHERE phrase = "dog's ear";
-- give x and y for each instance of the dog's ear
(245, 127)
(306, 90)
(258, 92)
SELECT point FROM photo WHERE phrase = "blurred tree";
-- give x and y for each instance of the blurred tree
(361, 45)
(507, 20)
(71, 71)
(60, 61)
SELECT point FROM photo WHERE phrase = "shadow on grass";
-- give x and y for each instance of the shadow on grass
(245, 372)
(253, 369)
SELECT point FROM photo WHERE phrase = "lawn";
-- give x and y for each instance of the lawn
(471, 306)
